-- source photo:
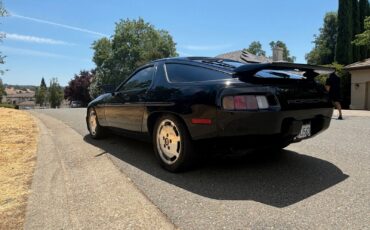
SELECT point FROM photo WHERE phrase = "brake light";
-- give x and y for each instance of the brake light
(245, 102)
(240, 102)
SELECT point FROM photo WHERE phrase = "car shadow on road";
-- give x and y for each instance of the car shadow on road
(278, 182)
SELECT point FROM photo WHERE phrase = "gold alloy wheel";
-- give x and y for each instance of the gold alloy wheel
(92, 122)
(168, 141)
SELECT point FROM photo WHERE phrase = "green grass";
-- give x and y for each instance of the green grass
(8, 106)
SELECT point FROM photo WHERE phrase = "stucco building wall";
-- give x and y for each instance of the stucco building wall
(360, 89)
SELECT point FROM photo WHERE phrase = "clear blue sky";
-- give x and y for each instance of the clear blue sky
(53, 38)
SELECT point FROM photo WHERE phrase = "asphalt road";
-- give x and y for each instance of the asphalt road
(323, 182)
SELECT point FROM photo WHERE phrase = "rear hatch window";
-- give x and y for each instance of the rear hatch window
(279, 74)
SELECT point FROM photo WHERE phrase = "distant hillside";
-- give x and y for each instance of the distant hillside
(22, 87)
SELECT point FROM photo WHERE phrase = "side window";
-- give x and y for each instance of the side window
(140, 80)
(189, 73)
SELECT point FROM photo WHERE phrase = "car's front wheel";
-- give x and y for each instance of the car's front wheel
(172, 144)
(96, 131)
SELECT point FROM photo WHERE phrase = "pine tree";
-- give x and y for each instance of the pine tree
(43, 84)
(41, 93)
(343, 53)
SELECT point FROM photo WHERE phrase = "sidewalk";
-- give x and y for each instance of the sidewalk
(354, 113)
(75, 186)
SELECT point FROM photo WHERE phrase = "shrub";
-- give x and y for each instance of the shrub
(10, 106)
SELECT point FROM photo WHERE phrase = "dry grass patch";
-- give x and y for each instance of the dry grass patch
(18, 144)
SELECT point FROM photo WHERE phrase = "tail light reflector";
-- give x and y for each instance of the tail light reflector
(262, 102)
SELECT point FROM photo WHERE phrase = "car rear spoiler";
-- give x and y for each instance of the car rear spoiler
(311, 71)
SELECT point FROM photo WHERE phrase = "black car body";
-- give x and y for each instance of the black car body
(181, 101)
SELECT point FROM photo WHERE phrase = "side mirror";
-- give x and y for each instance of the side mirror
(108, 88)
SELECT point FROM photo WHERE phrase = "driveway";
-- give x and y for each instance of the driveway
(323, 182)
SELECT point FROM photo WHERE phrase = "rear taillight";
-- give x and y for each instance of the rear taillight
(245, 102)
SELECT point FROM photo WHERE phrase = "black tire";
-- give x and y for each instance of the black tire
(171, 137)
(97, 131)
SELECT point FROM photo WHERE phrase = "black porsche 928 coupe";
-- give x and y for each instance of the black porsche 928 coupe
(180, 102)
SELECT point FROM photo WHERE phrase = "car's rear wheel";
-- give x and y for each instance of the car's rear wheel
(172, 144)
(96, 131)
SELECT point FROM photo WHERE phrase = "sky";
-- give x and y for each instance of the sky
(52, 39)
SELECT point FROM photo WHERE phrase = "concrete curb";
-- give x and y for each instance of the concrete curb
(76, 186)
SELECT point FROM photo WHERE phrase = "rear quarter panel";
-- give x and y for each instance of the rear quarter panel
(185, 100)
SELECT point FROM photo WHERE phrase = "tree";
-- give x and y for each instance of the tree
(3, 13)
(43, 84)
(363, 39)
(343, 51)
(324, 50)
(286, 53)
(133, 44)
(103, 51)
(256, 48)
(78, 88)
(356, 29)
(2, 90)
(41, 93)
(55, 93)
(363, 13)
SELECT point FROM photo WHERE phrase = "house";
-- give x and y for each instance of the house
(247, 57)
(23, 98)
(360, 84)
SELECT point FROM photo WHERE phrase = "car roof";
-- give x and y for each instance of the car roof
(233, 66)
(219, 63)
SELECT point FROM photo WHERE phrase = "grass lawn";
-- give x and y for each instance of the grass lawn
(18, 145)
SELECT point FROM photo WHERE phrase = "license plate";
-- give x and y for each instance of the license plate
(305, 131)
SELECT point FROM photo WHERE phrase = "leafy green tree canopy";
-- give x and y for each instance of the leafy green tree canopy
(286, 52)
(134, 43)
(55, 93)
(103, 51)
(363, 39)
(324, 50)
(256, 48)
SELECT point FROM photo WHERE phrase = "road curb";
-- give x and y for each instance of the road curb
(76, 186)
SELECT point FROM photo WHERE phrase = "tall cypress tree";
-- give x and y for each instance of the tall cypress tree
(368, 14)
(356, 29)
(43, 84)
(343, 53)
(363, 12)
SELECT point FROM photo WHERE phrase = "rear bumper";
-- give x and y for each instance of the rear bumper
(266, 123)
